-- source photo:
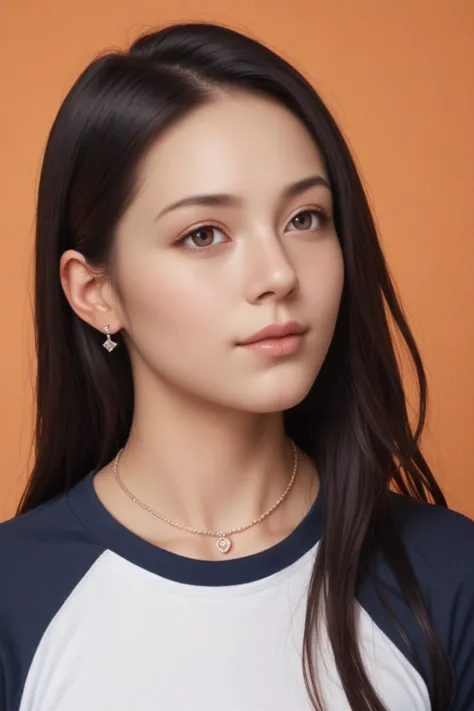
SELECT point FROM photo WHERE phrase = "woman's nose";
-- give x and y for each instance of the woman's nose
(271, 273)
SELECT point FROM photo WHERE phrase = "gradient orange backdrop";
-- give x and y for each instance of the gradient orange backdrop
(399, 78)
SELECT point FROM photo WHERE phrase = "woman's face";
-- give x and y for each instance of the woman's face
(217, 245)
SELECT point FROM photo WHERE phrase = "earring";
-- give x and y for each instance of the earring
(109, 344)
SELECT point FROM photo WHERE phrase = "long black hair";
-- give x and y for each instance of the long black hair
(353, 422)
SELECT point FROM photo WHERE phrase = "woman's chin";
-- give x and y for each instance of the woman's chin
(281, 396)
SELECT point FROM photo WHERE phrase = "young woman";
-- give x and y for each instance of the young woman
(228, 507)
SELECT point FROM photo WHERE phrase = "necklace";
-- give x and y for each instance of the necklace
(223, 543)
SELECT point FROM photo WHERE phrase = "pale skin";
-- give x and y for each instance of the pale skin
(207, 447)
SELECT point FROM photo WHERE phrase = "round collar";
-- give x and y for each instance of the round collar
(114, 536)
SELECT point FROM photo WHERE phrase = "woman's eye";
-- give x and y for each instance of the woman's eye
(202, 238)
(309, 219)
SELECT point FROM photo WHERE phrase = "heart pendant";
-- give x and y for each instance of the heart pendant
(224, 544)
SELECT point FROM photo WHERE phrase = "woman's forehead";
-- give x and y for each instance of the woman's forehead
(236, 144)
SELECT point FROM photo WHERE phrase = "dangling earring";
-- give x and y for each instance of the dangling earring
(109, 344)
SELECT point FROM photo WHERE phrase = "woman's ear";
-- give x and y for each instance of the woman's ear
(89, 292)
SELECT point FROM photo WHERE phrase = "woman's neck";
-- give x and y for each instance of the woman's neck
(207, 468)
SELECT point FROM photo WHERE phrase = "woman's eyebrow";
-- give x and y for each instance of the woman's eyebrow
(226, 200)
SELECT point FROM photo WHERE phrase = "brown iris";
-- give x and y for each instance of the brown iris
(302, 221)
(203, 236)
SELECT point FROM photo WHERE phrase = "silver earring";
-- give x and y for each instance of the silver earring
(109, 344)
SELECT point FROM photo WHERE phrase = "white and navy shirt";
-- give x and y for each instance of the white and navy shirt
(94, 618)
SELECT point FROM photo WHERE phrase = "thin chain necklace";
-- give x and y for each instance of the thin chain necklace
(223, 543)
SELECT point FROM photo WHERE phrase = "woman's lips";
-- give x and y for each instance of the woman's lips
(276, 339)
(275, 347)
(275, 330)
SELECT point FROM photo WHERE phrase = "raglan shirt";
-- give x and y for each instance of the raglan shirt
(94, 617)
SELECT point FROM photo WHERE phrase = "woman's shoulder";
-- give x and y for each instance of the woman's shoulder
(439, 543)
(43, 553)
(33, 533)
(439, 539)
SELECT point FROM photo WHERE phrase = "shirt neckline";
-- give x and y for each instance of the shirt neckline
(114, 536)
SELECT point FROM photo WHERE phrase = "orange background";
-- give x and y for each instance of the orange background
(399, 78)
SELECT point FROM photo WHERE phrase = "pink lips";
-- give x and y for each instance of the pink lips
(277, 339)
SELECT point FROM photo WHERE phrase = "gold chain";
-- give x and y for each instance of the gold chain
(223, 543)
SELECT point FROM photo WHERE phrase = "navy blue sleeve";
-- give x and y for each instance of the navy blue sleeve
(442, 555)
(43, 556)
(3, 700)
(440, 547)
(460, 627)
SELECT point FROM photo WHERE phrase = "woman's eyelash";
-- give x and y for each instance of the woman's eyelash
(319, 211)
